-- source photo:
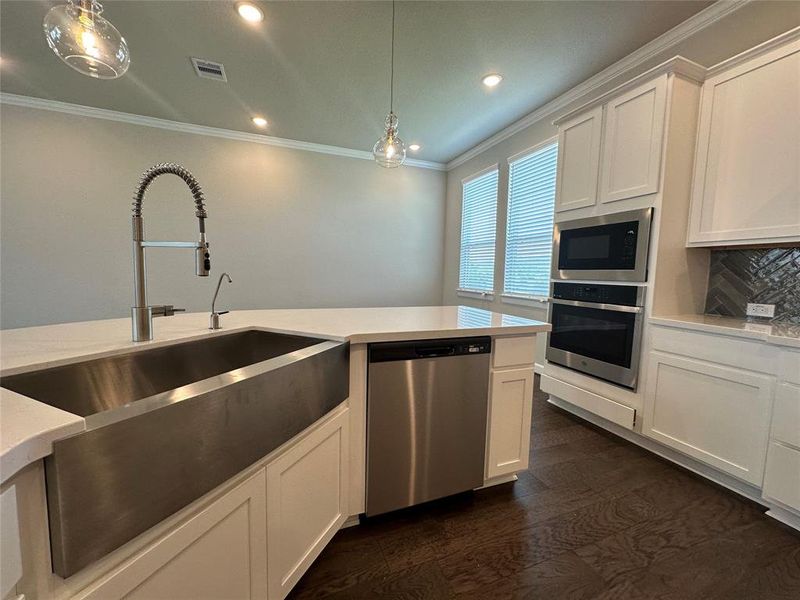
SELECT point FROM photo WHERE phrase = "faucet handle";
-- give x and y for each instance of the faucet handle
(165, 310)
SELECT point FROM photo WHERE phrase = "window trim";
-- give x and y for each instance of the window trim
(476, 294)
(481, 173)
(466, 292)
(506, 296)
(535, 148)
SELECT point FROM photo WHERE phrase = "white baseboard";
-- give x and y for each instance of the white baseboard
(785, 517)
(351, 521)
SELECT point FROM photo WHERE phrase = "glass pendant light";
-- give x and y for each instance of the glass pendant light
(87, 42)
(390, 151)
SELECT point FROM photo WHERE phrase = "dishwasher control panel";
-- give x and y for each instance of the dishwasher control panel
(388, 351)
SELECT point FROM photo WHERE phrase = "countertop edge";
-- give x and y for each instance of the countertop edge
(30, 437)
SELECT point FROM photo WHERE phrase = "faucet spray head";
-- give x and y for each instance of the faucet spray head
(202, 258)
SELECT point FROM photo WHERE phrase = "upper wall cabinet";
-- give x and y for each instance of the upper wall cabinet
(746, 186)
(578, 160)
(610, 149)
(634, 131)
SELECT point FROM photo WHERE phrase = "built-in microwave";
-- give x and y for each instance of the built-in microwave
(603, 248)
(597, 330)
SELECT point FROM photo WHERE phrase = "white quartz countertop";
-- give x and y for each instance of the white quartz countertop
(778, 334)
(28, 428)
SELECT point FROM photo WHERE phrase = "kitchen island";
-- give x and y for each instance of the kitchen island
(329, 455)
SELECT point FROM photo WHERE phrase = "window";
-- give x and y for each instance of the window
(529, 237)
(478, 225)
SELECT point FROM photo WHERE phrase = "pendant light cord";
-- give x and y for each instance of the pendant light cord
(391, 77)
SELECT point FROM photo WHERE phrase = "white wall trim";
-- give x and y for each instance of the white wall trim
(780, 40)
(680, 32)
(241, 136)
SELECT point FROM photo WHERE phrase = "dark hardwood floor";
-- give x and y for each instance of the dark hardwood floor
(594, 517)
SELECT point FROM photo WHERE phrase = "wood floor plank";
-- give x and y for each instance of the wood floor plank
(473, 568)
(564, 577)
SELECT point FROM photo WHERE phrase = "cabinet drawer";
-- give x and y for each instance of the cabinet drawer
(514, 351)
(737, 352)
(782, 478)
(786, 415)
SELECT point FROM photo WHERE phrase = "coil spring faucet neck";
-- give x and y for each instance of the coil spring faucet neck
(141, 313)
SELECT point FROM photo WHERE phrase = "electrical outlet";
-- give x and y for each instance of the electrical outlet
(760, 310)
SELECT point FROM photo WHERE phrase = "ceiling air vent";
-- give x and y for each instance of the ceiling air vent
(209, 69)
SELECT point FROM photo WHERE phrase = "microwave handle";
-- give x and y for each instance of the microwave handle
(599, 305)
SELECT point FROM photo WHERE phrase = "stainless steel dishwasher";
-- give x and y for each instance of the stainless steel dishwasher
(426, 420)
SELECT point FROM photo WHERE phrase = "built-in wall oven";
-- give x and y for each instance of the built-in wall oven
(603, 248)
(597, 330)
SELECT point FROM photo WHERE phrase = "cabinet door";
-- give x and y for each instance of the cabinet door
(633, 138)
(718, 415)
(307, 490)
(782, 478)
(578, 161)
(219, 553)
(746, 185)
(509, 429)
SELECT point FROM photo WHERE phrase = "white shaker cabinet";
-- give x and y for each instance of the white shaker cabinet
(220, 552)
(632, 142)
(508, 430)
(714, 413)
(252, 540)
(746, 186)
(578, 160)
(782, 476)
(307, 493)
(509, 435)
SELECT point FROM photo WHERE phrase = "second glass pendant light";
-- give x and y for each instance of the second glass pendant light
(390, 150)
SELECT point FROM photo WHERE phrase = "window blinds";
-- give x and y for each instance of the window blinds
(478, 226)
(529, 237)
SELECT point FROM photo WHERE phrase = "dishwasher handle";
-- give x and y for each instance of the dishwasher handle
(420, 349)
(434, 351)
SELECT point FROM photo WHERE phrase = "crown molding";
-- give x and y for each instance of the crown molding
(787, 37)
(677, 34)
(678, 65)
(229, 134)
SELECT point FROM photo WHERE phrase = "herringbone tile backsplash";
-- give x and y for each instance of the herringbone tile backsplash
(763, 276)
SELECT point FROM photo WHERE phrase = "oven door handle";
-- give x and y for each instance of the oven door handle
(599, 305)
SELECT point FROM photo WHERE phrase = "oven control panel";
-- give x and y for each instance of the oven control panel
(628, 295)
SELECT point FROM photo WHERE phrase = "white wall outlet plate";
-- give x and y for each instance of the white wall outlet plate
(760, 310)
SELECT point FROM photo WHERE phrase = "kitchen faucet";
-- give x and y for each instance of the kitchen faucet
(213, 321)
(141, 313)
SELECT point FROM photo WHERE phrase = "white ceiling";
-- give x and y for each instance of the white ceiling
(318, 71)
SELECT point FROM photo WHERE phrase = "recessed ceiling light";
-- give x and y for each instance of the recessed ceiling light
(492, 79)
(414, 147)
(249, 12)
(259, 121)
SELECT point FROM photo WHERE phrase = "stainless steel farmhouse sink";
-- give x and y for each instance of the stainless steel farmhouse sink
(166, 425)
